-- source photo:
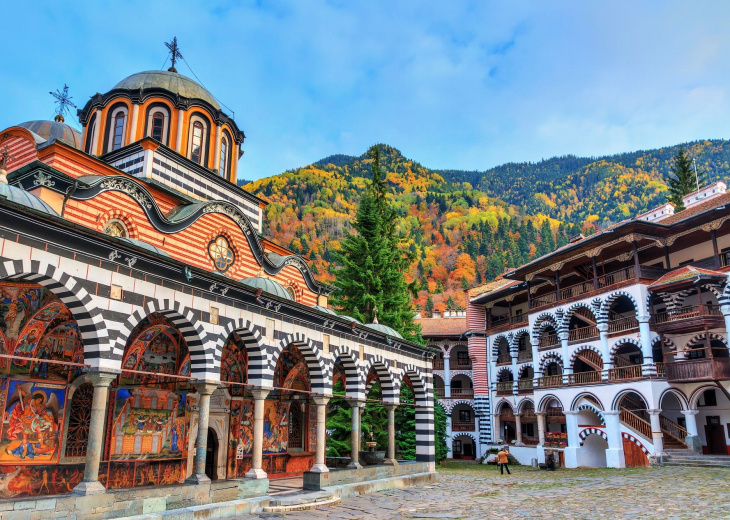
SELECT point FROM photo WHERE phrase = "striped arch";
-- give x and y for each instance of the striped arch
(319, 373)
(505, 370)
(389, 386)
(495, 346)
(591, 431)
(583, 348)
(636, 441)
(523, 368)
(522, 403)
(455, 373)
(91, 324)
(678, 394)
(700, 338)
(619, 343)
(543, 321)
(606, 307)
(587, 396)
(550, 357)
(501, 404)
(622, 393)
(354, 379)
(697, 393)
(545, 400)
(451, 347)
(258, 369)
(594, 409)
(515, 338)
(454, 435)
(715, 290)
(571, 310)
(470, 404)
(425, 442)
(202, 357)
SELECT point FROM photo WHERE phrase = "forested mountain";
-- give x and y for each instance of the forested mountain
(466, 227)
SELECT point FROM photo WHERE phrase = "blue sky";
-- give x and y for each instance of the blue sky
(465, 85)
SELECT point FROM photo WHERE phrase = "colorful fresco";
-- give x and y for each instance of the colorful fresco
(276, 426)
(240, 437)
(234, 363)
(22, 481)
(32, 422)
(149, 423)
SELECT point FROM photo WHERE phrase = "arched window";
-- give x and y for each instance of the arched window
(291, 292)
(116, 228)
(158, 126)
(91, 134)
(77, 436)
(118, 141)
(196, 150)
(224, 157)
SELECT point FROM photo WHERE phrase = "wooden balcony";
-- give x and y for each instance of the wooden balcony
(504, 359)
(525, 386)
(583, 334)
(548, 341)
(507, 322)
(461, 364)
(438, 393)
(623, 325)
(689, 319)
(463, 426)
(550, 381)
(504, 387)
(580, 289)
(438, 364)
(697, 370)
(463, 393)
(524, 356)
(584, 378)
(660, 370)
(621, 373)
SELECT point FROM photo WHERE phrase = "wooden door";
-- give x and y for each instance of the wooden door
(211, 456)
(715, 436)
(634, 455)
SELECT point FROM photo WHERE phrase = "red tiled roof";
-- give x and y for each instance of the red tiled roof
(697, 209)
(497, 284)
(686, 272)
(442, 326)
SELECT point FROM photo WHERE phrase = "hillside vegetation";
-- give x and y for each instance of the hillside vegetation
(467, 227)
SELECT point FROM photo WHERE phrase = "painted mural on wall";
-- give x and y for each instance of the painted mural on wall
(234, 364)
(148, 429)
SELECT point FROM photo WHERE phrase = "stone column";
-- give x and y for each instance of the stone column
(725, 309)
(390, 459)
(497, 428)
(179, 136)
(518, 430)
(615, 451)
(541, 427)
(693, 439)
(257, 470)
(320, 461)
(449, 435)
(355, 405)
(447, 376)
(656, 432)
(571, 452)
(567, 369)
(648, 367)
(205, 389)
(534, 342)
(605, 350)
(90, 485)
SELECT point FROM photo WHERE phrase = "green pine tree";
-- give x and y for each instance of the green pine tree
(439, 415)
(373, 263)
(405, 425)
(339, 423)
(682, 179)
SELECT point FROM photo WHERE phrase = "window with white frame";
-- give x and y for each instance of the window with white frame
(118, 127)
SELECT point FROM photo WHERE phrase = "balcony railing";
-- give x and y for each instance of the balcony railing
(439, 393)
(525, 386)
(660, 370)
(583, 333)
(462, 392)
(602, 282)
(550, 381)
(524, 355)
(438, 364)
(584, 378)
(547, 341)
(673, 429)
(687, 313)
(463, 426)
(623, 324)
(504, 387)
(519, 319)
(504, 359)
(636, 423)
(629, 372)
(498, 321)
(463, 363)
(710, 369)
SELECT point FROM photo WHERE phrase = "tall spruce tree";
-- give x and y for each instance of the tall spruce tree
(683, 180)
(373, 263)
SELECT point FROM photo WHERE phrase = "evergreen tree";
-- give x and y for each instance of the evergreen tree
(339, 423)
(429, 305)
(439, 416)
(373, 262)
(405, 424)
(682, 179)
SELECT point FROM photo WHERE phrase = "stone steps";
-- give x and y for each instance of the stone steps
(301, 501)
(690, 458)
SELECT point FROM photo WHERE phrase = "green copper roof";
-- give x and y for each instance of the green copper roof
(384, 329)
(20, 196)
(50, 130)
(143, 245)
(269, 286)
(170, 81)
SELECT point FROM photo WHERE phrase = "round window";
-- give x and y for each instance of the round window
(115, 228)
(221, 254)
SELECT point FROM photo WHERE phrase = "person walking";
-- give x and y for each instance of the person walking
(551, 460)
(503, 459)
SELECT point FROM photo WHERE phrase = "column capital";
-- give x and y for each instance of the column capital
(357, 402)
(260, 393)
(321, 400)
(602, 327)
(102, 378)
(570, 412)
(654, 411)
(643, 318)
(390, 405)
(608, 412)
(690, 412)
(541, 414)
(206, 387)
(725, 310)
(563, 336)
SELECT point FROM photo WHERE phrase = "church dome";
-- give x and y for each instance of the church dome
(50, 130)
(170, 81)
(269, 286)
(384, 329)
(20, 196)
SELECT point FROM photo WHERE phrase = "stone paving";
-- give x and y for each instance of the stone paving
(470, 491)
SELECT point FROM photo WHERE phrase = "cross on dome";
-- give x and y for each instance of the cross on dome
(63, 100)
(174, 53)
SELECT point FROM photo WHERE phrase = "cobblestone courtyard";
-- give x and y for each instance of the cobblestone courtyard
(472, 491)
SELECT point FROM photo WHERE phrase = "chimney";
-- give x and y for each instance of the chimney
(435, 314)
(657, 214)
(704, 194)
